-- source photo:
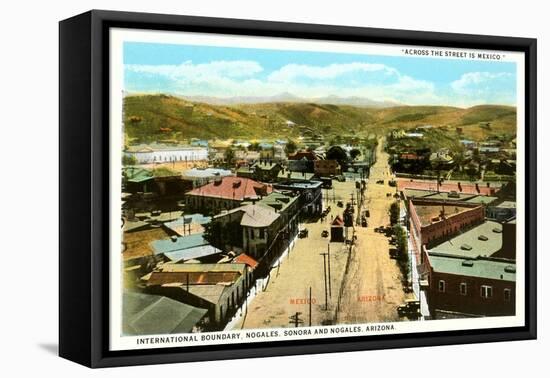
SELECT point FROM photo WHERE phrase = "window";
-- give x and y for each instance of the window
(441, 286)
(486, 291)
(262, 233)
(463, 288)
(252, 233)
(507, 295)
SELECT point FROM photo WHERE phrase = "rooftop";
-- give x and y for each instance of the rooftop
(145, 314)
(448, 186)
(193, 224)
(483, 268)
(482, 240)
(197, 173)
(136, 174)
(430, 213)
(278, 201)
(464, 197)
(255, 215)
(291, 175)
(234, 188)
(179, 243)
(266, 166)
(192, 253)
(243, 258)
(299, 185)
(507, 205)
(196, 274)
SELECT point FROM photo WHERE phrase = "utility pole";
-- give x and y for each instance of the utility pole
(325, 277)
(310, 306)
(329, 280)
(295, 319)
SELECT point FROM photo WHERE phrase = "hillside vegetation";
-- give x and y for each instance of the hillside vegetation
(161, 117)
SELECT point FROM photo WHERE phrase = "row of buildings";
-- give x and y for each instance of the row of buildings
(465, 247)
(209, 256)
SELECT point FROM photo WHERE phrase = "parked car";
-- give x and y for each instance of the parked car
(303, 233)
(324, 233)
(340, 204)
(380, 182)
(410, 309)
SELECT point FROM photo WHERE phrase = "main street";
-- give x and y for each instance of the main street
(372, 287)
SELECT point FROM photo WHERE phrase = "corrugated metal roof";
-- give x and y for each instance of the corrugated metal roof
(180, 243)
(245, 259)
(145, 314)
(192, 253)
(195, 278)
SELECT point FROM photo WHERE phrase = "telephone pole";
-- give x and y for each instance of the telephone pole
(310, 306)
(325, 277)
(329, 280)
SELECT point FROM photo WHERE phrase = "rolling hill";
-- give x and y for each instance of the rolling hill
(162, 117)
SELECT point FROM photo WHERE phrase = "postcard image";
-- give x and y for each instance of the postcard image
(267, 189)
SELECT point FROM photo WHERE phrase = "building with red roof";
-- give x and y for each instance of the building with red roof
(225, 193)
(337, 230)
(243, 258)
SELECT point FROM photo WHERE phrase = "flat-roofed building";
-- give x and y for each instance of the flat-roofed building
(472, 272)
(476, 286)
(432, 221)
(309, 192)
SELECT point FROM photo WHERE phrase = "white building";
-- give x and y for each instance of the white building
(160, 153)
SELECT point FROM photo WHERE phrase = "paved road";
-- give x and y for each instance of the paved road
(373, 289)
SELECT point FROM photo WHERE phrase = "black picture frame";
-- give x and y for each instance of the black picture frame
(84, 187)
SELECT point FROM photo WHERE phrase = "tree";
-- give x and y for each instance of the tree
(339, 154)
(229, 156)
(394, 213)
(129, 160)
(254, 147)
(291, 147)
(212, 234)
(402, 251)
(354, 153)
(220, 234)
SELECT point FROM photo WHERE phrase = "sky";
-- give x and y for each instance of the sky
(224, 72)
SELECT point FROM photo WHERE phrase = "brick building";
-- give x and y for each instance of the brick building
(472, 272)
(471, 286)
(432, 221)
(326, 167)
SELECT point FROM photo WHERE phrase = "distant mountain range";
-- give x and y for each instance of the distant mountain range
(290, 98)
